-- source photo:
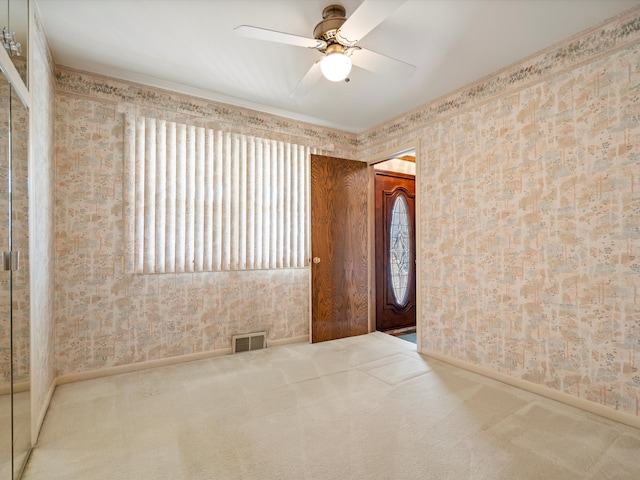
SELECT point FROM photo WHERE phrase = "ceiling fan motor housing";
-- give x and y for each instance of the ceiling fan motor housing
(333, 17)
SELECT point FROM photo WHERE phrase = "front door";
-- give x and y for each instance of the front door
(339, 283)
(395, 250)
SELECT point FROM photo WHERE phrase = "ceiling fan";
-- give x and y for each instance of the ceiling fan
(335, 36)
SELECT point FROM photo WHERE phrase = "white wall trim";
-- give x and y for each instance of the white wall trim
(543, 391)
(389, 154)
(135, 367)
(36, 423)
(394, 152)
(17, 388)
(288, 341)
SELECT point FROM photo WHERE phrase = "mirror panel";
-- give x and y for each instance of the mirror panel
(5, 286)
(4, 14)
(15, 404)
(20, 311)
(18, 22)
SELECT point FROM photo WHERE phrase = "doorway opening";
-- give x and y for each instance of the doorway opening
(395, 246)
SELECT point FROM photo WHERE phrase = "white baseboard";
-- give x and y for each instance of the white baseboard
(17, 388)
(106, 372)
(581, 403)
(541, 390)
(287, 341)
(21, 387)
(135, 367)
(37, 425)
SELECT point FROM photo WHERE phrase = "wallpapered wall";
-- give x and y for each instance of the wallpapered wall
(533, 231)
(529, 224)
(41, 268)
(106, 318)
(530, 217)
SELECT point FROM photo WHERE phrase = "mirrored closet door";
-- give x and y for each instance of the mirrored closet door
(19, 270)
(5, 289)
(15, 419)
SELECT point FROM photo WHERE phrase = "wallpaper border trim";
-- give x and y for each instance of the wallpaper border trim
(616, 33)
(139, 98)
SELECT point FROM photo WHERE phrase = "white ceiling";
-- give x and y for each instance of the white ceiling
(189, 46)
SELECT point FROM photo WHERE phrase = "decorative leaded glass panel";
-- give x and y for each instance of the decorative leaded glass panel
(399, 249)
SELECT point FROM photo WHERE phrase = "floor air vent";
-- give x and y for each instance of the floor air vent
(249, 341)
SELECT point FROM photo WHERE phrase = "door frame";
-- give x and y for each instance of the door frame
(390, 154)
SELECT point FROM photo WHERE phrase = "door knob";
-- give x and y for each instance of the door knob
(316, 260)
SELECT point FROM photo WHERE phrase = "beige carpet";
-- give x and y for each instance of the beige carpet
(366, 407)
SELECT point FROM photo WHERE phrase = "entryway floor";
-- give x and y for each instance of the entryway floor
(407, 333)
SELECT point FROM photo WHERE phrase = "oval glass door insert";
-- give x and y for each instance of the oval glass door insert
(399, 250)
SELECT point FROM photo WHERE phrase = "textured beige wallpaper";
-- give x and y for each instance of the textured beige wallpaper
(41, 219)
(106, 318)
(529, 222)
(530, 217)
(531, 239)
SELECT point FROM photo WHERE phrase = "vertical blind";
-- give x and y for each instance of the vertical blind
(199, 200)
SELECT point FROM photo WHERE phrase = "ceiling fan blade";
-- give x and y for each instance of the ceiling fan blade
(378, 63)
(365, 18)
(308, 81)
(278, 37)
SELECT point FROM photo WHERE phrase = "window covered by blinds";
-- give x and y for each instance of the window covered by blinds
(199, 200)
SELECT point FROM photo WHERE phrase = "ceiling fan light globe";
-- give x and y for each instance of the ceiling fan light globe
(335, 66)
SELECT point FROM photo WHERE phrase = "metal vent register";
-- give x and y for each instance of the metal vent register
(249, 341)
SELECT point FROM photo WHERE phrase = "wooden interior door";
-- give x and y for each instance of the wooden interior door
(339, 284)
(395, 250)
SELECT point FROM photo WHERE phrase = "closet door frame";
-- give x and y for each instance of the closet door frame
(19, 88)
